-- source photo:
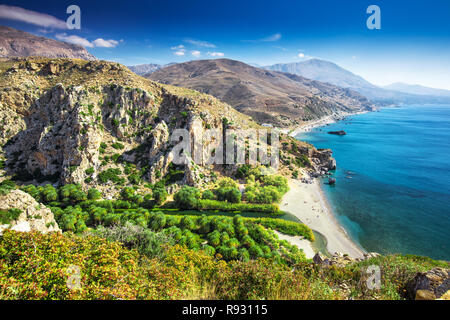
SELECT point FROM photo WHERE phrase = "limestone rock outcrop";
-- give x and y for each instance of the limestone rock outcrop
(34, 216)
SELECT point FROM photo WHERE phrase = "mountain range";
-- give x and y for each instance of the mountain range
(273, 97)
(17, 43)
(281, 95)
(326, 71)
(417, 89)
(142, 69)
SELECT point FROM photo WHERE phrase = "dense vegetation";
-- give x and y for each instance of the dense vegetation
(148, 266)
(196, 246)
(232, 237)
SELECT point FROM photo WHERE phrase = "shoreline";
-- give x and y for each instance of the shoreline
(310, 125)
(309, 204)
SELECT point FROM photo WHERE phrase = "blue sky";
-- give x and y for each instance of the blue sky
(413, 45)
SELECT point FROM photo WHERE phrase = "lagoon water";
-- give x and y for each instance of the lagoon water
(392, 193)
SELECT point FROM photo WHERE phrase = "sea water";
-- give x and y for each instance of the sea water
(392, 191)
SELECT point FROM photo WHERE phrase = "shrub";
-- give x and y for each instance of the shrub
(71, 194)
(158, 221)
(187, 223)
(159, 195)
(227, 182)
(232, 195)
(145, 241)
(208, 195)
(94, 194)
(49, 194)
(187, 197)
(108, 270)
(243, 171)
(111, 174)
(7, 216)
(117, 146)
(6, 186)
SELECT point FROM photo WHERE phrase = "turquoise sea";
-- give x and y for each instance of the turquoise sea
(392, 193)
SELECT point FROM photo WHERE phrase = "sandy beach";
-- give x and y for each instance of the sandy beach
(310, 125)
(308, 203)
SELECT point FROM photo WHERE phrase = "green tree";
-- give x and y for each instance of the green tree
(94, 194)
(159, 195)
(158, 221)
(208, 195)
(187, 197)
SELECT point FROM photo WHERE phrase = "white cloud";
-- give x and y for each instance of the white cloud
(200, 43)
(271, 38)
(179, 50)
(75, 40)
(216, 54)
(196, 53)
(274, 37)
(179, 47)
(100, 43)
(32, 17)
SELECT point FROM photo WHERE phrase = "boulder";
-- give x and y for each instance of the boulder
(429, 285)
(339, 133)
(319, 258)
(34, 216)
(369, 255)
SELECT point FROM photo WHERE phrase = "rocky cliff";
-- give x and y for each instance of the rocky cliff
(98, 124)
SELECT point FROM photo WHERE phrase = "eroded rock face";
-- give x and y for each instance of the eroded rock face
(34, 216)
(160, 138)
(62, 136)
(429, 285)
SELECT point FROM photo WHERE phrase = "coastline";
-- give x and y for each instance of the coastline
(310, 125)
(309, 204)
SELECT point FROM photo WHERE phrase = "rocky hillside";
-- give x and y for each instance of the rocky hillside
(16, 43)
(98, 124)
(267, 96)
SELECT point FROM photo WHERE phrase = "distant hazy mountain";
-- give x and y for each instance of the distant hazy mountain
(326, 71)
(142, 69)
(268, 96)
(16, 43)
(418, 89)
